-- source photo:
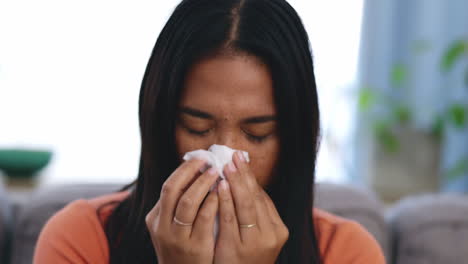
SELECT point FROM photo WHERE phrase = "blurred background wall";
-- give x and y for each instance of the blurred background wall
(392, 77)
(70, 74)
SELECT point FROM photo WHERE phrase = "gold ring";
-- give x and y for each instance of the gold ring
(177, 221)
(247, 226)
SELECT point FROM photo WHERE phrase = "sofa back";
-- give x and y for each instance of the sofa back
(6, 221)
(345, 201)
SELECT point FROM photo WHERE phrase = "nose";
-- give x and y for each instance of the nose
(229, 138)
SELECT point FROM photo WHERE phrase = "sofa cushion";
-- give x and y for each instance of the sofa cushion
(357, 204)
(430, 229)
(5, 225)
(34, 213)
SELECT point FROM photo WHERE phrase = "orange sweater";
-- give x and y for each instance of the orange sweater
(75, 234)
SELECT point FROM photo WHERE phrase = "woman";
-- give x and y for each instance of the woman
(229, 72)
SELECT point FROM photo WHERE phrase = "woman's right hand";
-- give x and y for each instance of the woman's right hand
(173, 241)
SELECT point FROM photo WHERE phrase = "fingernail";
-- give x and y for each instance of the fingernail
(212, 171)
(231, 167)
(240, 156)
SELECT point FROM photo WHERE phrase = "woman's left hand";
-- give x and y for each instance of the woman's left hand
(250, 228)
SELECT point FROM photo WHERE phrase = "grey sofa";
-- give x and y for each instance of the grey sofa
(6, 221)
(428, 229)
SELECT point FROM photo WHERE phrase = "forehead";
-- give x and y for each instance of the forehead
(229, 85)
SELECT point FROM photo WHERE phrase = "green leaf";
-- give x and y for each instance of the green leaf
(402, 114)
(438, 128)
(453, 53)
(466, 77)
(459, 169)
(386, 137)
(457, 115)
(367, 99)
(398, 75)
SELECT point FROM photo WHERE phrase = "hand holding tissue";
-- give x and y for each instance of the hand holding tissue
(217, 156)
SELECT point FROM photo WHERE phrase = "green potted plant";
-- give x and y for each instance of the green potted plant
(406, 158)
(20, 165)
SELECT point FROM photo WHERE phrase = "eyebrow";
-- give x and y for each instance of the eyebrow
(259, 119)
(196, 113)
(251, 120)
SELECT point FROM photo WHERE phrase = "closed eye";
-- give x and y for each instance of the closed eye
(197, 132)
(256, 139)
(194, 124)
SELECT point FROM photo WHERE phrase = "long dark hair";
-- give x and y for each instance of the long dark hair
(271, 31)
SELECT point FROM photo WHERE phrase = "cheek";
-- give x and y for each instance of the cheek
(263, 162)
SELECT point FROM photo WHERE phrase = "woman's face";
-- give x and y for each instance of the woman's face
(228, 100)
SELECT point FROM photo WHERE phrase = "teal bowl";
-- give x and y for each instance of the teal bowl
(23, 163)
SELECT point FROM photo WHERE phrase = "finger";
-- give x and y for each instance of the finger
(190, 201)
(204, 222)
(157, 212)
(263, 214)
(152, 217)
(245, 172)
(228, 225)
(243, 201)
(154, 212)
(173, 188)
(264, 218)
(267, 215)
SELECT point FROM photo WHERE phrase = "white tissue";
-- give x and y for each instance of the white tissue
(217, 156)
